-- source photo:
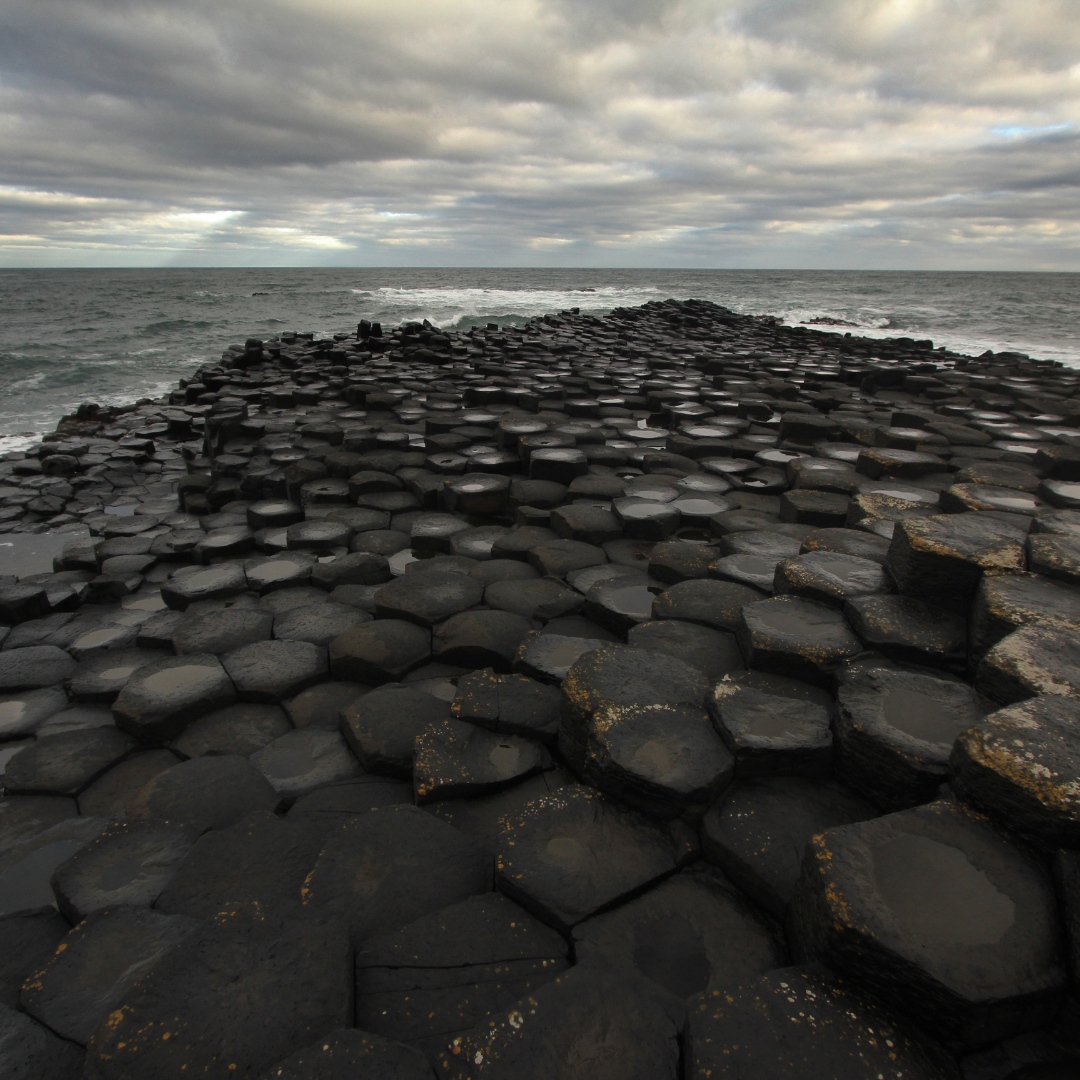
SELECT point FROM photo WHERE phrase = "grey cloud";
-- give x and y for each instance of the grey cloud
(513, 131)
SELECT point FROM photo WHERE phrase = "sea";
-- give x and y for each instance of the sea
(112, 336)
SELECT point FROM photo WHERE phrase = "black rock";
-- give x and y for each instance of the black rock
(31, 1052)
(587, 1022)
(161, 699)
(714, 652)
(209, 792)
(34, 667)
(770, 733)
(129, 863)
(802, 1022)
(212, 583)
(301, 761)
(428, 597)
(906, 629)
(101, 960)
(538, 599)
(260, 862)
(942, 558)
(717, 604)
(379, 652)
(829, 577)
(792, 636)
(455, 759)
(222, 631)
(243, 991)
(508, 704)
(571, 854)
(26, 869)
(477, 639)
(270, 671)
(1040, 658)
(602, 682)
(758, 830)
(449, 971)
(1020, 764)
(109, 795)
(1005, 602)
(24, 817)
(691, 934)
(237, 729)
(66, 764)
(325, 808)
(941, 915)
(27, 940)
(382, 727)
(895, 730)
(346, 1053)
(390, 866)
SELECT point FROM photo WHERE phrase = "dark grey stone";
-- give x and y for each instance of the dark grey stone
(386, 868)
(939, 914)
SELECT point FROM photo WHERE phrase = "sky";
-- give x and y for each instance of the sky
(861, 134)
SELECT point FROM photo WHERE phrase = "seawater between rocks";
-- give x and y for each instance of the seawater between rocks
(111, 336)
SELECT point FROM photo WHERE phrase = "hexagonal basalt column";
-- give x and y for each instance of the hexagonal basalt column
(943, 558)
(1021, 764)
(941, 914)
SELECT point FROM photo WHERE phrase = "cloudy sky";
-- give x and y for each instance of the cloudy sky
(723, 133)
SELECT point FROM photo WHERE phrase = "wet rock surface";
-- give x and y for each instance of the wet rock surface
(578, 677)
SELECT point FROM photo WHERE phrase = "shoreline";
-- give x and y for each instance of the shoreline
(466, 699)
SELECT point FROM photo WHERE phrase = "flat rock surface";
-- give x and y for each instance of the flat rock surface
(579, 631)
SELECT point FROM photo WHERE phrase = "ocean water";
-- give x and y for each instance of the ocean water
(111, 336)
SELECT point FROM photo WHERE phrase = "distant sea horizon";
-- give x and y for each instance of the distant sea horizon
(115, 335)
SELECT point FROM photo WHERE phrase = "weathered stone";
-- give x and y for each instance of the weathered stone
(938, 913)
(260, 862)
(1040, 658)
(758, 830)
(34, 667)
(895, 730)
(689, 935)
(476, 639)
(792, 636)
(382, 727)
(768, 733)
(508, 704)
(66, 764)
(1021, 764)
(270, 671)
(714, 652)
(215, 582)
(301, 761)
(243, 991)
(427, 598)
(209, 792)
(347, 1053)
(829, 577)
(712, 603)
(602, 683)
(903, 628)
(101, 960)
(803, 1022)
(568, 855)
(159, 700)
(455, 759)
(442, 975)
(237, 729)
(380, 651)
(391, 866)
(588, 1021)
(27, 940)
(942, 559)
(128, 863)
(222, 631)
(30, 1051)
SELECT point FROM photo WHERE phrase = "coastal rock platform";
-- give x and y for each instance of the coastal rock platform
(669, 695)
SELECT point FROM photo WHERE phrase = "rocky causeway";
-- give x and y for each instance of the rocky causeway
(667, 695)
